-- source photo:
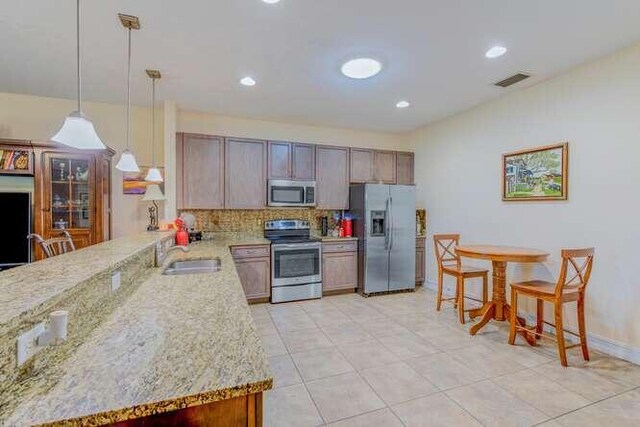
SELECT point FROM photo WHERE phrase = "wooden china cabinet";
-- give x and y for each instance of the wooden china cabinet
(72, 192)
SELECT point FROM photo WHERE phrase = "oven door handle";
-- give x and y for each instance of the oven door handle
(293, 246)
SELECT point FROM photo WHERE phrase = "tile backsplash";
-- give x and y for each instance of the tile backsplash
(252, 221)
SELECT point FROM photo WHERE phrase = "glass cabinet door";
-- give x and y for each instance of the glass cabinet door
(71, 199)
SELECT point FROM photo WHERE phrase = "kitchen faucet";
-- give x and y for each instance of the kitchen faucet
(160, 256)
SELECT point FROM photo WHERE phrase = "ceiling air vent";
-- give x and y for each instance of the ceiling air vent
(516, 78)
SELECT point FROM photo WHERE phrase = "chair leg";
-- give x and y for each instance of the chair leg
(539, 318)
(582, 329)
(460, 294)
(514, 315)
(562, 351)
(440, 278)
(485, 289)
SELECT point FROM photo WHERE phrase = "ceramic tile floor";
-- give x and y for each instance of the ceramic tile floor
(394, 361)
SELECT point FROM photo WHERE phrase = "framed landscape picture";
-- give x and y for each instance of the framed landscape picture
(536, 174)
(134, 183)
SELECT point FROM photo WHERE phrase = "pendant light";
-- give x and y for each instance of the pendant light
(154, 173)
(77, 131)
(127, 161)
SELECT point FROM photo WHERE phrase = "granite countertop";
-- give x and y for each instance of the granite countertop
(29, 286)
(177, 341)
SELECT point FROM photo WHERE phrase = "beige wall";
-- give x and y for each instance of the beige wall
(38, 118)
(207, 123)
(597, 109)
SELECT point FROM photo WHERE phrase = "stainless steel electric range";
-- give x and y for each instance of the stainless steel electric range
(296, 261)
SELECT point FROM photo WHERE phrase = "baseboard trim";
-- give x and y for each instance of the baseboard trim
(604, 345)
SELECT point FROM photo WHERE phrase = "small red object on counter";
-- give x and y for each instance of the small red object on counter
(182, 237)
(347, 226)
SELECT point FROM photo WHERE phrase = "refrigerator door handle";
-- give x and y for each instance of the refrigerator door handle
(390, 223)
(387, 229)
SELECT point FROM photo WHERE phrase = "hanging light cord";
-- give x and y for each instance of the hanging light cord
(128, 90)
(78, 55)
(153, 122)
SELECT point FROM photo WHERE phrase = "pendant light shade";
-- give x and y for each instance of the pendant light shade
(153, 193)
(127, 162)
(77, 131)
(154, 173)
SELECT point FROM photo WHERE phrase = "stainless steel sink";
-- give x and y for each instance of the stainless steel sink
(196, 266)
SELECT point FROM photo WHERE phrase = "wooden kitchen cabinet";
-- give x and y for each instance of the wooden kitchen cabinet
(339, 267)
(332, 177)
(420, 260)
(200, 171)
(292, 161)
(303, 163)
(245, 173)
(384, 167)
(373, 166)
(362, 163)
(279, 160)
(405, 168)
(72, 192)
(253, 264)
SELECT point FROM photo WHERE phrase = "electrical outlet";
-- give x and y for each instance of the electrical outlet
(27, 345)
(115, 281)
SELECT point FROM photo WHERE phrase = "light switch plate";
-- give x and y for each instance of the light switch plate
(27, 345)
(115, 281)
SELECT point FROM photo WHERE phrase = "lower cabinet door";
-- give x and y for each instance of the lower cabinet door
(255, 276)
(339, 271)
(420, 267)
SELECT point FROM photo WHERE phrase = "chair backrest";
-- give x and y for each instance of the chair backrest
(575, 270)
(55, 245)
(445, 249)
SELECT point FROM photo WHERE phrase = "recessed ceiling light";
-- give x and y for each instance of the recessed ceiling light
(248, 81)
(271, 1)
(496, 52)
(361, 68)
(403, 104)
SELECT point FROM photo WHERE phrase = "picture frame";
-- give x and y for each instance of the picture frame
(536, 174)
(134, 183)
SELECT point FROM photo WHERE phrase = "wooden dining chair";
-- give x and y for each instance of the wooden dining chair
(55, 245)
(449, 263)
(575, 272)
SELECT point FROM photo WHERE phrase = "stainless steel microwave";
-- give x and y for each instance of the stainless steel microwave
(291, 193)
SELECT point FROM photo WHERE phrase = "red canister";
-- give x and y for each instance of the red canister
(347, 225)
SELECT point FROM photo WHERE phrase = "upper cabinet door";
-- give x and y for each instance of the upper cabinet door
(332, 177)
(362, 165)
(405, 168)
(200, 167)
(279, 160)
(385, 167)
(303, 164)
(245, 173)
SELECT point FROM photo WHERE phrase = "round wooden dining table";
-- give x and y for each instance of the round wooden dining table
(497, 308)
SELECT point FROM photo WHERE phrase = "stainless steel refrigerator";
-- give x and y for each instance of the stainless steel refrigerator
(385, 223)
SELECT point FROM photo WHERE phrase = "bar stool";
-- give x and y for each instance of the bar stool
(55, 245)
(449, 263)
(571, 285)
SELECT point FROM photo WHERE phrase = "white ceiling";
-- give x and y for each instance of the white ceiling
(432, 50)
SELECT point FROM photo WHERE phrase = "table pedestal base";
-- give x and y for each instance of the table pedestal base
(498, 309)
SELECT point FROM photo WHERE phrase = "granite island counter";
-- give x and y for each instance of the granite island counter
(174, 342)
